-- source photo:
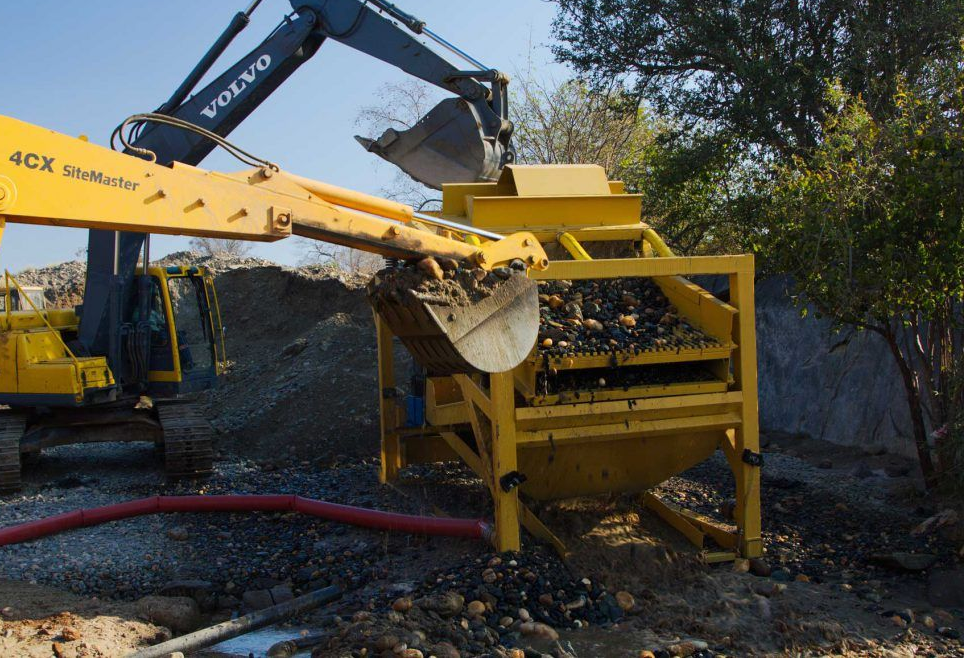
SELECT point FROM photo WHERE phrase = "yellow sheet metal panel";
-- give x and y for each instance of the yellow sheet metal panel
(454, 196)
(8, 362)
(38, 345)
(556, 179)
(700, 307)
(76, 183)
(557, 470)
(558, 213)
(21, 320)
(629, 393)
(649, 357)
(617, 411)
(596, 434)
(51, 377)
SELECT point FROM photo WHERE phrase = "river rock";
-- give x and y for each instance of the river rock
(900, 561)
(179, 613)
(447, 604)
(539, 630)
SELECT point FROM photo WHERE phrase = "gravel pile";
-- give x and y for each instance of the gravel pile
(612, 315)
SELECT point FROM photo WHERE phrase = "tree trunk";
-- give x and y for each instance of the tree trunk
(914, 410)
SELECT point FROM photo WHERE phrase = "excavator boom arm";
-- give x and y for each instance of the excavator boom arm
(52, 179)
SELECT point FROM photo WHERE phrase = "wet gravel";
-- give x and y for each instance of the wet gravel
(436, 594)
(233, 552)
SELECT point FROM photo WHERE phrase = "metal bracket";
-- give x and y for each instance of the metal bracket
(752, 458)
(390, 393)
(511, 480)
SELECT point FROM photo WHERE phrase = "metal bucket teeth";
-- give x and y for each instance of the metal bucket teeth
(493, 335)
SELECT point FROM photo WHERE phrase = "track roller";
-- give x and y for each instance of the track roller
(11, 432)
(188, 449)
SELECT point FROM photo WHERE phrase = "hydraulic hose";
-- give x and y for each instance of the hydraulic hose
(366, 518)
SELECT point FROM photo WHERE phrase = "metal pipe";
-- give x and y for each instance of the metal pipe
(454, 49)
(456, 226)
(573, 246)
(238, 23)
(657, 243)
(207, 637)
(347, 198)
(380, 207)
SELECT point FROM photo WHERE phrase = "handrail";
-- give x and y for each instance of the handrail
(9, 277)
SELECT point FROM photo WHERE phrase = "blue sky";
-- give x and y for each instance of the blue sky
(82, 67)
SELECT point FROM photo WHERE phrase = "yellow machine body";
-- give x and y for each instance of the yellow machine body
(36, 364)
(37, 368)
(530, 446)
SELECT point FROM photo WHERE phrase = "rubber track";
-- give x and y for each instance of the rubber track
(188, 450)
(12, 426)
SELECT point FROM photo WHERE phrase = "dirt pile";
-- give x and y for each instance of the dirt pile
(303, 373)
(63, 283)
(440, 281)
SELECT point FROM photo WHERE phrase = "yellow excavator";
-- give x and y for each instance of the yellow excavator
(48, 178)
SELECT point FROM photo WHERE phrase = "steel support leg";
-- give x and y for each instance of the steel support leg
(506, 503)
(747, 437)
(388, 405)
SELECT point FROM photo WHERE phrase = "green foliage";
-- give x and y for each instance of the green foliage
(757, 68)
(870, 222)
(690, 184)
(697, 191)
(572, 123)
(870, 225)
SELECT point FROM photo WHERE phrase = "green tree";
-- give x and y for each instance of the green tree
(870, 226)
(756, 69)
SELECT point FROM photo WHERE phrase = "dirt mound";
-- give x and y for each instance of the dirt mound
(303, 377)
(63, 283)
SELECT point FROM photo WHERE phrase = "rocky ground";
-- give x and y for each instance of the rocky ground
(858, 563)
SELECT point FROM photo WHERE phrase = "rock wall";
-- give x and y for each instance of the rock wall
(841, 387)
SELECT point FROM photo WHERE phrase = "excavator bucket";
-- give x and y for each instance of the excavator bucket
(448, 145)
(493, 335)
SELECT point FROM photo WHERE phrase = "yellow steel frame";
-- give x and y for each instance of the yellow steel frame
(720, 415)
(620, 440)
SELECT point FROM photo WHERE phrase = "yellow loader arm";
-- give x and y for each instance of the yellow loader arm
(51, 179)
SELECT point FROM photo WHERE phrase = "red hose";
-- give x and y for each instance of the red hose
(367, 518)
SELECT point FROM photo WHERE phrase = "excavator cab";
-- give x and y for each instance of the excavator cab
(186, 335)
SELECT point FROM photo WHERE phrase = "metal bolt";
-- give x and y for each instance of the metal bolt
(3, 194)
(200, 200)
(266, 172)
(161, 193)
(527, 242)
(284, 219)
(244, 211)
